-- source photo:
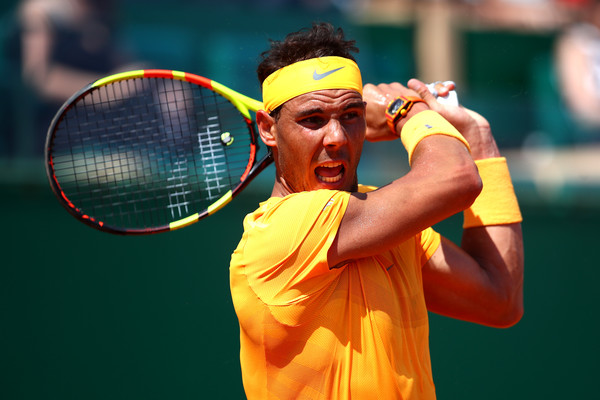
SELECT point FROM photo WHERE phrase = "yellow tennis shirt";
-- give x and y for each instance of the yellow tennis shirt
(310, 332)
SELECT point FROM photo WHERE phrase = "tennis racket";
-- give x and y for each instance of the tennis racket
(151, 151)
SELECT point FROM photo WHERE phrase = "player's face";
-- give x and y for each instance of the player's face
(319, 140)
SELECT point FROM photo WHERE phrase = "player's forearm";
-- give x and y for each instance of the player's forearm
(492, 236)
(498, 250)
(443, 181)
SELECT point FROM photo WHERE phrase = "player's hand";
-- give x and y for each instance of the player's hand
(378, 98)
(442, 89)
(474, 127)
(456, 115)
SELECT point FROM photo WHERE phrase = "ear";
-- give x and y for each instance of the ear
(266, 128)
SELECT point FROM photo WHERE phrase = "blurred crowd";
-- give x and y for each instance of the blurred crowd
(61, 45)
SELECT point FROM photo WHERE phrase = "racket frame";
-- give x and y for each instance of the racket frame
(245, 106)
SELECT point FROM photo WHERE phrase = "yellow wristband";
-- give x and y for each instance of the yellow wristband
(426, 123)
(497, 203)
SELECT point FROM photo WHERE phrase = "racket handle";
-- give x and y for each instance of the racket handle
(451, 99)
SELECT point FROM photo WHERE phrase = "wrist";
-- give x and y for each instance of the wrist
(497, 203)
(427, 123)
(416, 109)
(482, 142)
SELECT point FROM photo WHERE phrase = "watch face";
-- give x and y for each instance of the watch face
(395, 106)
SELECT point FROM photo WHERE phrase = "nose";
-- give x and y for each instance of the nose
(335, 134)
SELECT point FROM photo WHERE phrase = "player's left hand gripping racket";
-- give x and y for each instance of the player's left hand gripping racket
(151, 151)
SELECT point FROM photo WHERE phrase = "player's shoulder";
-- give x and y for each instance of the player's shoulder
(366, 188)
(302, 202)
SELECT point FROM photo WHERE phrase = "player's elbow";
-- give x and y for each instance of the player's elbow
(507, 313)
(510, 318)
(468, 185)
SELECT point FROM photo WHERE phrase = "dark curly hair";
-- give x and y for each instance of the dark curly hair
(322, 40)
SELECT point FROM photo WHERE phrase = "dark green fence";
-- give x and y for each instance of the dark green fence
(89, 315)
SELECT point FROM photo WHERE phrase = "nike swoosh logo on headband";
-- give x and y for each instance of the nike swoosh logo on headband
(318, 77)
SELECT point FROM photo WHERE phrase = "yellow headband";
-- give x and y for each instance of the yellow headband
(308, 76)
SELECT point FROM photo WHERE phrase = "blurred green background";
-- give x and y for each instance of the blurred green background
(88, 315)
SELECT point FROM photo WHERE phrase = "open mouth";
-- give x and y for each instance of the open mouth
(330, 172)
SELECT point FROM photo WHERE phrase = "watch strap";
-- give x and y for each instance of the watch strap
(398, 108)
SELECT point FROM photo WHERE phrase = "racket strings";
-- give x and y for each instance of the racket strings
(146, 152)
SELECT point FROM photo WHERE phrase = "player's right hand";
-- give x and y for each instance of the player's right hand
(378, 97)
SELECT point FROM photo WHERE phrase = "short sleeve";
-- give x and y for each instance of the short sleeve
(427, 243)
(285, 250)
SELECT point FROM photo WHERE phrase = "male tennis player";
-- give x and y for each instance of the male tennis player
(331, 281)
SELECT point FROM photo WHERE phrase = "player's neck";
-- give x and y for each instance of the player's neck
(280, 188)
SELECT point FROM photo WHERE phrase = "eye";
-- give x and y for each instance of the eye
(350, 115)
(312, 121)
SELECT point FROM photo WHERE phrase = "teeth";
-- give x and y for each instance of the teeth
(331, 179)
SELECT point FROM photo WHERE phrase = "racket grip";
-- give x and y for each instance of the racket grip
(451, 99)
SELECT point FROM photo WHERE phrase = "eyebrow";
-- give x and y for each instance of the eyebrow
(318, 110)
(356, 104)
